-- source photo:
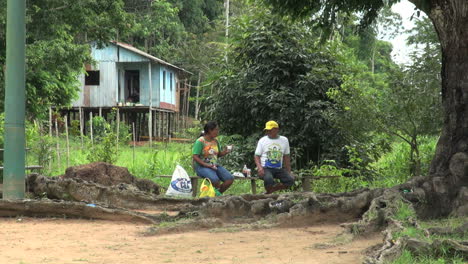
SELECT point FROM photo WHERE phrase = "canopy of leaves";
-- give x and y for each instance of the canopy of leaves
(275, 72)
(327, 11)
(57, 35)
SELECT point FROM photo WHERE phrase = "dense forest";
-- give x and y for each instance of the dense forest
(337, 90)
(389, 140)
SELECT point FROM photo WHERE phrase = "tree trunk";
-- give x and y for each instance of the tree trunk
(446, 188)
(451, 160)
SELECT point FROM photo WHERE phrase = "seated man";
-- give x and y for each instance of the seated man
(273, 160)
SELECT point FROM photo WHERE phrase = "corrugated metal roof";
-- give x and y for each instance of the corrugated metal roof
(147, 55)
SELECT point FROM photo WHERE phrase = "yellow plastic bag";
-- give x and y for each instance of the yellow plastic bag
(207, 190)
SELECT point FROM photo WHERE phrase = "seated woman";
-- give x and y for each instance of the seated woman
(206, 152)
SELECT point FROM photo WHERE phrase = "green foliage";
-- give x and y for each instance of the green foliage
(400, 103)
(100, 128)
(157, 27)
(103, 147)
(75, 128)
(192, 132)
(242, 153)
(105, 150)
(393, 167)
(405, 211)
(2, 129)
(344, 179)
(276, 72)
(163, 162)
(408, 257)
(330, 11)
(43, 148)
(57, 46)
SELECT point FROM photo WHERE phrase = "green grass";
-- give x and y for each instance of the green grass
(146, 163)
(404, 212)
(408, 258)
(442, 258)
(393, 167)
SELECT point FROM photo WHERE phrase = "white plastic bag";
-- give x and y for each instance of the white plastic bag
(180, 183)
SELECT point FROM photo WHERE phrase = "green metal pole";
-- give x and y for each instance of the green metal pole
(15, 97)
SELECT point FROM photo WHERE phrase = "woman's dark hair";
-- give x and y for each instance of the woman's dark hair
(209, 127)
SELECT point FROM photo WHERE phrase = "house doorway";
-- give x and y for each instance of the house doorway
(132, 86)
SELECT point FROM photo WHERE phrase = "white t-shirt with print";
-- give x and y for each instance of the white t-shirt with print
(272, 151)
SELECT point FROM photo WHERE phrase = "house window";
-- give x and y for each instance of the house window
(170, 80)
(92, 78)
(164, 80)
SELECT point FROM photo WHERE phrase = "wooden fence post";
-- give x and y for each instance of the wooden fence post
(118, 128)
(81, 127)
(150, 128)
(91, 127)
(68, 142)
(58, 146)
(134, 139)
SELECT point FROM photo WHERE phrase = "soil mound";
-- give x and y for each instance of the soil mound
(109, 175)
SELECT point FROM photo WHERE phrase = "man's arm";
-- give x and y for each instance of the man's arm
(258, 162)
(260, 170)
(287, 163)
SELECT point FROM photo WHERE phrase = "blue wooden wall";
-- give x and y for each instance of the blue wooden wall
(112, 61)
(168, 91)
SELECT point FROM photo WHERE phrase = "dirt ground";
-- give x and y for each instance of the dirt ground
(59, 241)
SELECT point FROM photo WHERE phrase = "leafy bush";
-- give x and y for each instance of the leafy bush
(191, 132)
(341, 183)
(100, 126)
(124, 130)
(394, 167)
(105, 149)
(104, 146)
(75, 128)
(275, 72)
(242, 153)
(43, 149)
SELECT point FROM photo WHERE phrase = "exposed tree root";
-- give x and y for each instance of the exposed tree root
(48, 208)
(121, 195)
(367, 210)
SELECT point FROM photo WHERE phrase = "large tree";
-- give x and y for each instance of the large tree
(449, 167)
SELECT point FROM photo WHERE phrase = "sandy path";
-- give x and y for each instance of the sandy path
(78, 241)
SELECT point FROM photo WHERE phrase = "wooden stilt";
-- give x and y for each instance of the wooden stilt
(81, 126)
(91, 127)
(134, 139)
(155, 122)
(150, 127)
(118, 129)
(160, 124)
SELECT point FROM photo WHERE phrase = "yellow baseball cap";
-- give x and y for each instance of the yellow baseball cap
(270, 125)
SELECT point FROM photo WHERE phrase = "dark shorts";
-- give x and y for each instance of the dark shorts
(281, 174)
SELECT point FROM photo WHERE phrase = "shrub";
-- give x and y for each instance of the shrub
(43, 149)
(105, 150)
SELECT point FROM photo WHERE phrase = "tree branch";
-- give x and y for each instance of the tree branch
(423, 5)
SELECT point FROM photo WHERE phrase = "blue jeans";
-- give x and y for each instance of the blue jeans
(221, 174)
(281, 174)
